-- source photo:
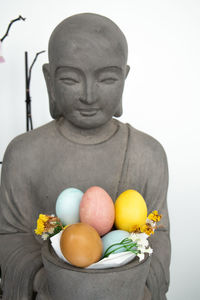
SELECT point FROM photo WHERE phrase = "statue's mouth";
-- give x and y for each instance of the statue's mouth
(88, 112)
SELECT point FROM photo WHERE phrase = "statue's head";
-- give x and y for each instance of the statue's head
(87, 70)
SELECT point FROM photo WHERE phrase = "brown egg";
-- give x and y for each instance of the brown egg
(81, 245)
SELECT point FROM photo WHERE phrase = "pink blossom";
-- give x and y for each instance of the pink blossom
(1, 57)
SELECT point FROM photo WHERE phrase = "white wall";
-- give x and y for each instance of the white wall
(161, 97)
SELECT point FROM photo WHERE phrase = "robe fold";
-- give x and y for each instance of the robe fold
(39, 164)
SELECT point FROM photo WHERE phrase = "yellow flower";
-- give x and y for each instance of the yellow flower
(40, 224)
(154, 216)
(135, 228)
(44, 218)
(40, 227)
(148, 229)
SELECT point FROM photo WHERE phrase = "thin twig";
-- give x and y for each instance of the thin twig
(29, 122)
(9, 26)
(30, 69)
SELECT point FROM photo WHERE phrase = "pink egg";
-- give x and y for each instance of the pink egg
(97, 209)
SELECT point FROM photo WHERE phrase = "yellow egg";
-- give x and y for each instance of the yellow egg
(130, 210)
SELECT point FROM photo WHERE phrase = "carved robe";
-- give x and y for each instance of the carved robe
(39, 164)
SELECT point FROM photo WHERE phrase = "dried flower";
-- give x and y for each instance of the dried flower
(150, 225)
(148, 229)
(150, 222)
(154, 216)
(48, 226)
(135, 228)
(45, 236)
(41, 224)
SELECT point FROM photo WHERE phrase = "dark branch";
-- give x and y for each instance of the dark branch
(9, 26)
(30, 69)
(29, 122)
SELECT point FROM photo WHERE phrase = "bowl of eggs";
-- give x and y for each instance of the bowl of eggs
(89, 218)
(75, 259)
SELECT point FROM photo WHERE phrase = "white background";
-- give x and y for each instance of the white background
(161, 97)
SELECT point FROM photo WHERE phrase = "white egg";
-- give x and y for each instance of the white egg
(67, 206)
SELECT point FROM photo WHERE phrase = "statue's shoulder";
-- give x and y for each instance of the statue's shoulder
(26, 143)
(145, 146)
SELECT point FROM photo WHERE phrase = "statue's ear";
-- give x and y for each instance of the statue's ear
(127, 70)
(52, 102)
(119, 109)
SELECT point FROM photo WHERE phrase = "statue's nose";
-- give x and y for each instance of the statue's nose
(89, 95)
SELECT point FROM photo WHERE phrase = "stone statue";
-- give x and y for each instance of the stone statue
(82, 147)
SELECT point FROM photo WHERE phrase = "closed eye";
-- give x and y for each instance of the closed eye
(69, 80)
(109, 80)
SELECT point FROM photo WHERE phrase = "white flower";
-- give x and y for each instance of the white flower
(149, 250)
(151, 222)
(51, 230)
(139, 238)
(140, 256)
(45, 236)
(53, 222)
(142, 244)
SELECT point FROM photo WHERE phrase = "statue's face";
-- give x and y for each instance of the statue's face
(88, 81)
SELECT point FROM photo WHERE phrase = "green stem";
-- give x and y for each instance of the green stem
(126, 243)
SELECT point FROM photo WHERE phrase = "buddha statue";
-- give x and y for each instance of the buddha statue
(85, 145)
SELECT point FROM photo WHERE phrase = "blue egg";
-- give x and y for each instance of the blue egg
(113, 237)
(67, 206)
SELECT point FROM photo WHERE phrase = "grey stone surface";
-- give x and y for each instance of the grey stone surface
(82, 147)
(126, 282)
